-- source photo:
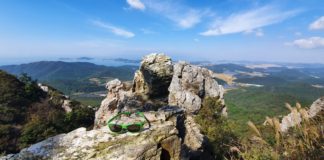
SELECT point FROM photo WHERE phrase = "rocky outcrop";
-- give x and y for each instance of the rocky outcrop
(154, 76)
(167, 94)
(113, 103)
(151, 81)
(190, 84)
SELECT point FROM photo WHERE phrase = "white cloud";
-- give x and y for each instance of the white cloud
(257, 32)
(113, 29)
(192, 18)
(148, 31)
(137, 4)
(318, 24)
(249, 20)
(308, 43)
(184, 16)
(298, 34)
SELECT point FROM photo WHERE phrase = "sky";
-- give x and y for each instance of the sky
(234, 30)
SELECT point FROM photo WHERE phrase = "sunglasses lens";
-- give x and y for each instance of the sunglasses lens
(134, 128)
(115, 127)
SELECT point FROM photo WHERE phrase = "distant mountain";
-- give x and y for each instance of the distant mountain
(127, 60)
(53, 70)
(85, 58)
(72, 76)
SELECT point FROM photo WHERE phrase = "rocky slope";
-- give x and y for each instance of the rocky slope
(168, 94)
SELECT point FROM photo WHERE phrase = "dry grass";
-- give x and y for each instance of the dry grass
(254, 128)
(225, 77)
(303, 141)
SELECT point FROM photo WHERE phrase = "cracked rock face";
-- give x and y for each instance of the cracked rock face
(190, 84)
(109, 105)
(118, 99)
(154, 75)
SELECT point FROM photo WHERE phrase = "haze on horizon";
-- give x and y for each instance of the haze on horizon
(250, 30)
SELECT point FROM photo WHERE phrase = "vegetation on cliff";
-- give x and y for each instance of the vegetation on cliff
(28, 114)
(303, 141)
(216, 128)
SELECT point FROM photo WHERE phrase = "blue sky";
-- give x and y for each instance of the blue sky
(255, 30)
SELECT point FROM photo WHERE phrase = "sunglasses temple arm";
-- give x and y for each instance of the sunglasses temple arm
(114, 117)
(149, 123)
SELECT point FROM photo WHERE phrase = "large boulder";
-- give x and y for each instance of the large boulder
(190, 85)
(154, 76)
(150, 82)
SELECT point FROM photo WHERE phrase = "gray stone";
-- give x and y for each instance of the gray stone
(190, 85)
(154, 75)
(109, 105)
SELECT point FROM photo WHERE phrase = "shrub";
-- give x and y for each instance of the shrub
(216, 128)
(80, 117)
(32, 91)
(8, 139)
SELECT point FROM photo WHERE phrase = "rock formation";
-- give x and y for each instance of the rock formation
(154, 76)
(169, 96)
(109, 104)
(190, 84)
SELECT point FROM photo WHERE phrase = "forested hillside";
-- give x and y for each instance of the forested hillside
(28, 114)
(71, 77)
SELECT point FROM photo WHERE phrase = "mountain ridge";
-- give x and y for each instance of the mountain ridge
(71, 77)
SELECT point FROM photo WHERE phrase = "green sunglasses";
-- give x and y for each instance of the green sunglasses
(130, 127)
